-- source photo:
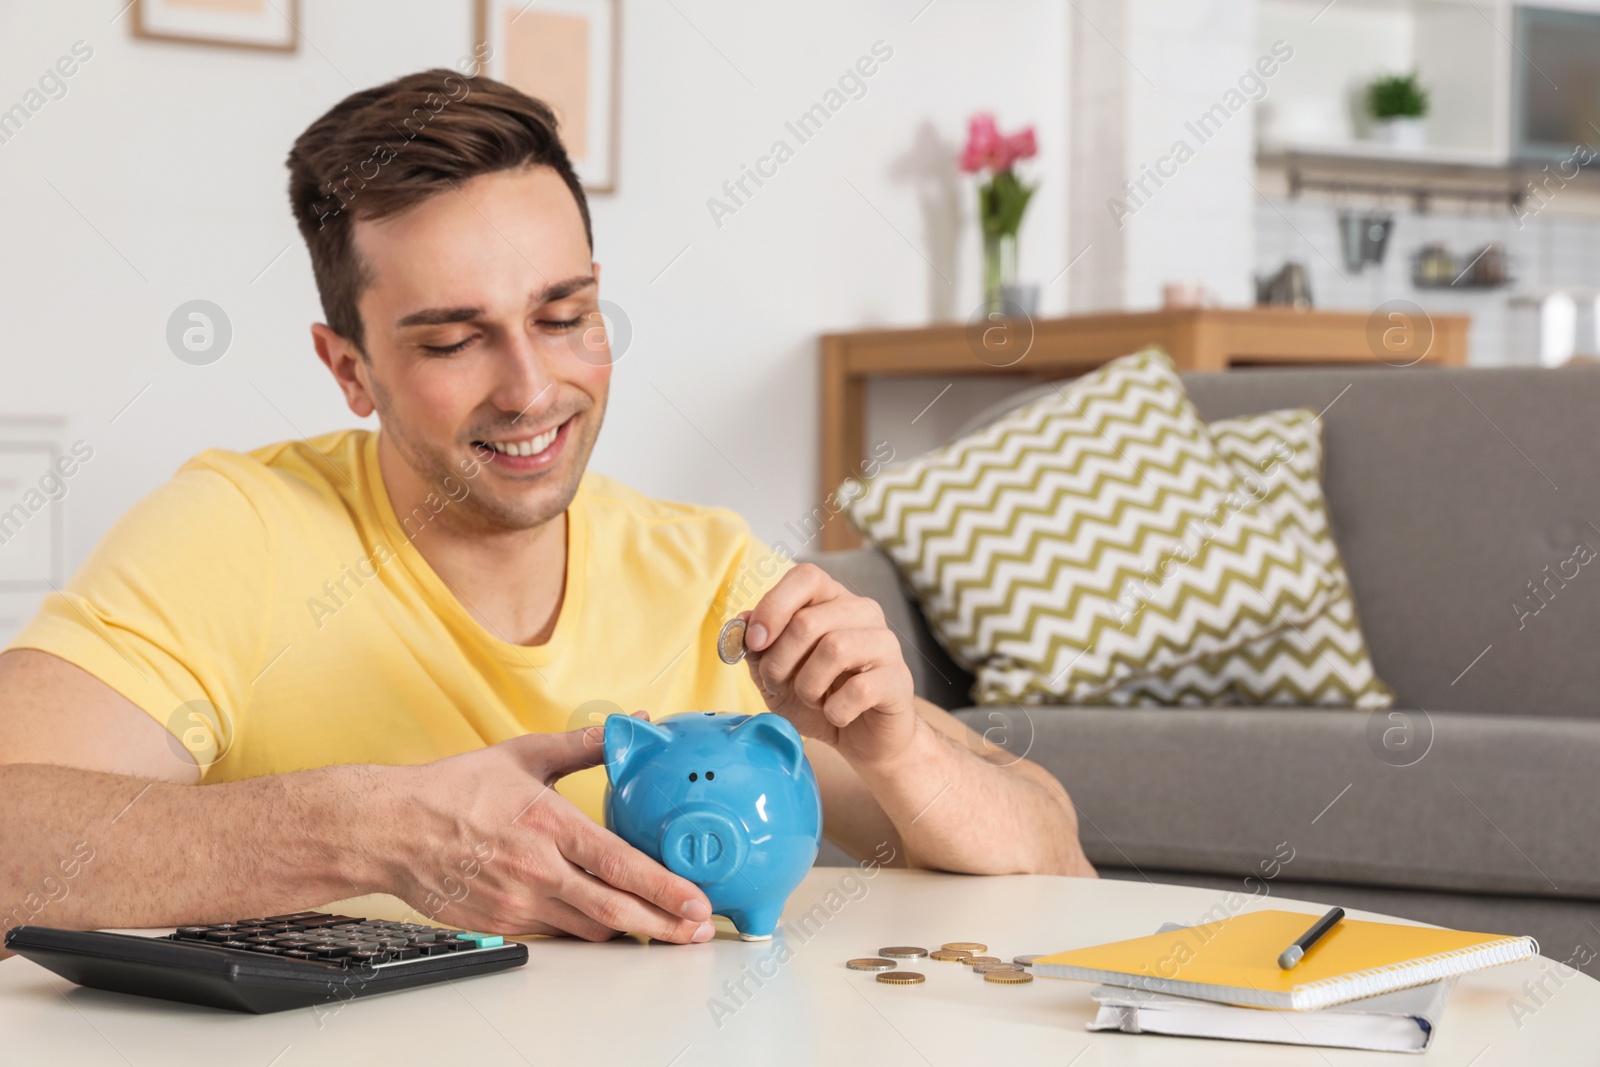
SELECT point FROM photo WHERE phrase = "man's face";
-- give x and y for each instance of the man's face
(484, 339)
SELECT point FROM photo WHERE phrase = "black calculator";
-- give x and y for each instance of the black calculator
(270, 964)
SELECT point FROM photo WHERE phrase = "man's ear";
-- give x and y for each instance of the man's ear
(626, 738)
(349, 369)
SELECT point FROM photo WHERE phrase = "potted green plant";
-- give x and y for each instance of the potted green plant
(1398, 104)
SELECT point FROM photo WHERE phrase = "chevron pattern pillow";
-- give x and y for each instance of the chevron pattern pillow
(1322, 662)
(1089, 539)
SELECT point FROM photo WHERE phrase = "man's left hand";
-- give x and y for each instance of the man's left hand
(826, 660)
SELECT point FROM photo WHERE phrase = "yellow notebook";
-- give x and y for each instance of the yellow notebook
(1235, 960)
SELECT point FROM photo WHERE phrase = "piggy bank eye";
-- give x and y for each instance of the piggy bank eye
(710, 775)
(693, 776)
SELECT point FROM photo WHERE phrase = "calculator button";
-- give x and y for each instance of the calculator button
(238, 944)
(291, 917)
(294, 953)
(192, 933)
(482, 940)
(436, 948)
(219, 935)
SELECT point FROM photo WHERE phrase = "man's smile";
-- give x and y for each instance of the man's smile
(529, 451)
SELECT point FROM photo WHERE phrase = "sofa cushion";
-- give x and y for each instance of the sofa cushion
(1459, 497)
(1091, 537)
(1278, 456)
(1450, 801)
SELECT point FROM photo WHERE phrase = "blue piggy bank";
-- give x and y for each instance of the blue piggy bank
(728, 802)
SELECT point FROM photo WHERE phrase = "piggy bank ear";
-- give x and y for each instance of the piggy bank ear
(774, 732)
(626, 739)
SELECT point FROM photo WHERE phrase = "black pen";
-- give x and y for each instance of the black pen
(1295, 952)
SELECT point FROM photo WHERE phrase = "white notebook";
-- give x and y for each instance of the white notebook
(1393, 1022)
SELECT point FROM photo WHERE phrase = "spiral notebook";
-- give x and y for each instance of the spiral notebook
(1235, 960)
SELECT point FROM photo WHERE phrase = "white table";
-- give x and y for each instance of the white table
(650, 1005)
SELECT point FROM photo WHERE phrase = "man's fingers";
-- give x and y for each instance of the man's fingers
(806, 628)
(618, 910)
(551, 756)
(619, 864)
(566, 919)
(856, 695)
(803, 584)
(838, 655)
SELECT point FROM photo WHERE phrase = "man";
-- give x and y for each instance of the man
(371, 648)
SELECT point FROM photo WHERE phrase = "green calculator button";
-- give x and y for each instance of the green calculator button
(482, 940)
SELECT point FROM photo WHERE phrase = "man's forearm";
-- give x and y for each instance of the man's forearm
(957, 811)
(88, 849)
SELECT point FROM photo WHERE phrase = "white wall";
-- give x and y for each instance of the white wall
(1145, 71)
(159, 178)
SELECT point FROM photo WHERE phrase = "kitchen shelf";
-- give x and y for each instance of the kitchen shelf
(1420, 178)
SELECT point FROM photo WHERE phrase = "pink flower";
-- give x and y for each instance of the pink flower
(1022, 145)
(983, 143)
(987, 149)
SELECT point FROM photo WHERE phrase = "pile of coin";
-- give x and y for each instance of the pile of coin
(970, 954)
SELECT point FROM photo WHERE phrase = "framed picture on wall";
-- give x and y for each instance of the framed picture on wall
(268, 25)
(564, 52)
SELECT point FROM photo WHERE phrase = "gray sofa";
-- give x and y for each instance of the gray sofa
(1454, 495)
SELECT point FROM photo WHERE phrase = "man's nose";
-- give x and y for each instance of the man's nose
(526, 387)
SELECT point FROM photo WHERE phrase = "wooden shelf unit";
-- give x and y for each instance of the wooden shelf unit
(1197, 339)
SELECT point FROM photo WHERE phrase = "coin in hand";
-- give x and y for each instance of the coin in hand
(730, 642)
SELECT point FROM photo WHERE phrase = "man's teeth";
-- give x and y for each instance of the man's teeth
(527, 448)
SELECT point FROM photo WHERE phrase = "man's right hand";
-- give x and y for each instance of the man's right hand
(484, 842)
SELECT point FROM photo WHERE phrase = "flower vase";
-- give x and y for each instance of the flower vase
(999, 269)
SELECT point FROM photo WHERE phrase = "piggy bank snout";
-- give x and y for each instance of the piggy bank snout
(704, 844)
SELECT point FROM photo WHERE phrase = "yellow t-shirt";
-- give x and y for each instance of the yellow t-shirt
(279, 590)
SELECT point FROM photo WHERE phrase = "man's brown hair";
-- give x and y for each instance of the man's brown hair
(383, 150)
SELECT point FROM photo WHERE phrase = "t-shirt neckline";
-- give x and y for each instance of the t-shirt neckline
(444, 596)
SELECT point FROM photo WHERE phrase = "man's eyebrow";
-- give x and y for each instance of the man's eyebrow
(563, 289)
(438, 316)
(443, 316)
